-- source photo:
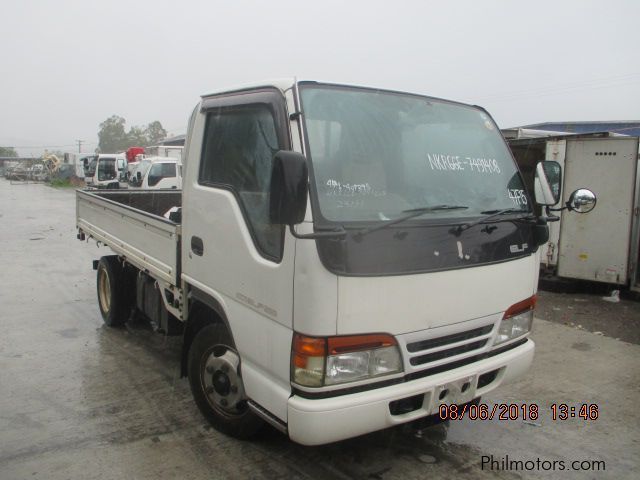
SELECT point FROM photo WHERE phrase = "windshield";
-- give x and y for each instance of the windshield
(141, 167)
(375, 155)
(91, 167)
(107, 169)
(159, 171)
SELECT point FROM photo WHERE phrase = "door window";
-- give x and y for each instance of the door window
(238, 150)
(159, 171)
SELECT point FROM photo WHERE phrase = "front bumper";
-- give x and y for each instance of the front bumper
(319, 421)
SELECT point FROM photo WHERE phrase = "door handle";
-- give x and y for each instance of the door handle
(197, 246)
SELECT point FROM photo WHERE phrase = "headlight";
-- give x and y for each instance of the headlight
(517, 321)
(318, 362)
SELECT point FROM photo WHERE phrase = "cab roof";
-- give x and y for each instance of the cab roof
(285, 83)
(281, 84)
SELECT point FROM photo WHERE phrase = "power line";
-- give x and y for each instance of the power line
(607, 82)
(52, 146)
(564, 86)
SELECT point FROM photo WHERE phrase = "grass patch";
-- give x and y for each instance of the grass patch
(61, 183)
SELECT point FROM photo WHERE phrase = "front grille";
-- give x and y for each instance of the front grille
(432, 357)
(461, 363)
(440, 352)
(448, 339)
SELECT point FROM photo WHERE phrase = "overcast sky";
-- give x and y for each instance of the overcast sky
(65, 66)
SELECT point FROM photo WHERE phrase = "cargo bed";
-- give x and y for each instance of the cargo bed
(131, 223)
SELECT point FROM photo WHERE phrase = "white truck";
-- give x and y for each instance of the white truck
(107, 172)
(166, 151)
(155, 173)
(347, 259)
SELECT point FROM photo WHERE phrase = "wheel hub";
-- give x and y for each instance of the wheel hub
(104, 290)
(222, 381)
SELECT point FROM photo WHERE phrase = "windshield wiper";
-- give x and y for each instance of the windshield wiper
(411, 213)
(489, 214)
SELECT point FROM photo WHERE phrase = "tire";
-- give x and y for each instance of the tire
(216, 384)
(114, 296)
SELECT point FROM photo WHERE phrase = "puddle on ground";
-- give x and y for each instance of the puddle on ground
(68, 333)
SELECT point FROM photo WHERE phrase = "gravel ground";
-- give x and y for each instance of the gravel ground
(589, 311)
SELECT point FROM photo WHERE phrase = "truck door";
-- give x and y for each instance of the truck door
(596, 246)
(555, 150)
(231, 251)
(635, 236)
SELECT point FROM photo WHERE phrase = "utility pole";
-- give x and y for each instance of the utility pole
(79, 142)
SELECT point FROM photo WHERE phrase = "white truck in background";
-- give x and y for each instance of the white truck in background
(155, 173)
(167, 151)
(347, 259)
(80, 162)
(108, 171)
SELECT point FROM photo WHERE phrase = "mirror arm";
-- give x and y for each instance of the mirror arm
(549, 209)
(567, 206)
(337, 233)
(550, 216)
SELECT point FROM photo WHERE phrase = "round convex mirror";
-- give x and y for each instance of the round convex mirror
(582, 200)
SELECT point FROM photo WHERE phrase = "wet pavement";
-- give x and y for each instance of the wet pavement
(82, 401)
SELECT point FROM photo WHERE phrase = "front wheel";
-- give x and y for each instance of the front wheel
(216, 383)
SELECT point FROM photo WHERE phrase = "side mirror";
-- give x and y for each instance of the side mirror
(582, 200)
(547, 183)
(289, 188)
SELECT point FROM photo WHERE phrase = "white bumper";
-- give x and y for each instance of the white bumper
(319, 421)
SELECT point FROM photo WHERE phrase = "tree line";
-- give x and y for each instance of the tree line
(8, 152)
(113, 136)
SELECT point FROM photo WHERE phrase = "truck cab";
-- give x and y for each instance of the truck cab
(108, 171)
(156, 173)
(386, 316)
(349, 258)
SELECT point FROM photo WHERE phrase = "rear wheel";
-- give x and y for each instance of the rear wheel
(216, 383)
(113, 294)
